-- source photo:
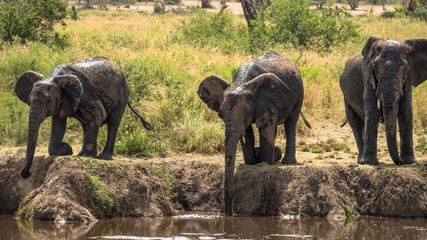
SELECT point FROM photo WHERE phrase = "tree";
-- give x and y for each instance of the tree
(292, 22)
(30, 20)
(353, 4)
(253, 8)
(206, 4)
(319, 3)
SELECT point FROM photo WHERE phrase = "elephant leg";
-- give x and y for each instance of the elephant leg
(56, 146)
(113, 127)
(267, 137)
(290, 130)
(372, 115)
(247, 144)
(90, 140)
(356, 125)
(82, 151)
(406, 129)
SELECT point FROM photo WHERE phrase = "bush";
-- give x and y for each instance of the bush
(217, 30)
(388, 14)
(292, 22)
(420, 13)
(30, 20)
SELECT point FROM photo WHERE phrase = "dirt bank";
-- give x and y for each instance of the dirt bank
(84, 189)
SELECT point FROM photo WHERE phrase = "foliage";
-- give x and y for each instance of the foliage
(159, 9)
(212, 29)
(353, 4)
(388, 14)
(30, 20)
(73, 13)
(420, 13)
(292, 22)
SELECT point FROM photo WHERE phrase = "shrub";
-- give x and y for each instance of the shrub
(30, 20)
(388, 14)
(420, 13)
(292, 22)
(217, 30)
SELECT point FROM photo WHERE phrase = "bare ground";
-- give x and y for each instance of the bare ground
(84, 189)
(233, 6)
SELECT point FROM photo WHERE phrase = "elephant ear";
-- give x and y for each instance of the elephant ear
(71, 90)
(269, 98)
(368, 55)
(418, 55)
(25, 84)
(211, 91)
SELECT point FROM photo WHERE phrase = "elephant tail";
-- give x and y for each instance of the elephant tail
(145, 123)
(343, 124)
(305, 121)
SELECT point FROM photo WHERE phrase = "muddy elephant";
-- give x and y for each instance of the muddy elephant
(93, 91)
(267, 91)
(377, 87)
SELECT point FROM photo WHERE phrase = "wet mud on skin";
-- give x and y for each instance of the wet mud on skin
(213, 226)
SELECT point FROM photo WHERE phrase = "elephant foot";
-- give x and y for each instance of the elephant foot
(25, 173)
(277, 155)
(105, 156)
(408, 159)
(89, 154)
(288, 160)
(64, 149)
(371, 160)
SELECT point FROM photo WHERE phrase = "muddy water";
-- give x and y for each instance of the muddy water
(204, 227)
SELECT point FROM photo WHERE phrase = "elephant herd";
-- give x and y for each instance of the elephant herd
(267, 91)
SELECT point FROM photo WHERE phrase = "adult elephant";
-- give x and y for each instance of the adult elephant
(94, 91)
(377, 86)
(267, 91)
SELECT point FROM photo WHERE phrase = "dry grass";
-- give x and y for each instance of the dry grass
(164, 77)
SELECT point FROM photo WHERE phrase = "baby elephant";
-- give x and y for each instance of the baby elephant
(267, 91)
(377, 86)
(93, 91)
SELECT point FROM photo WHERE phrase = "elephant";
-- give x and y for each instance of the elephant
(377, 87)
(93, 91)
(267, 91)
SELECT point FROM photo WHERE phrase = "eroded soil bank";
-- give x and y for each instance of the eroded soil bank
(84, 189)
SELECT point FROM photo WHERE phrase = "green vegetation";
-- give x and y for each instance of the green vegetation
(207, 29)
(25, 210)
(31, 20)
(163, 174)
(349, 210)
(292, 22)
(165, 57)
(104, 197)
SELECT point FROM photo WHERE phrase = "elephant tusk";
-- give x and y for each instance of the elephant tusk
(378, 104)
(284, 84)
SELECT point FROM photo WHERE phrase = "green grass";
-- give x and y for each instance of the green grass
(164, 74)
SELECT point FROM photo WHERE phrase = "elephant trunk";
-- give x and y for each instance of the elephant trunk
(35, 119)
(390, 119)
(230, 157)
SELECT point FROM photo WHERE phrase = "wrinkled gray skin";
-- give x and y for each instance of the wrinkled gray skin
(267, 91)
(94, 91)
(377, 87)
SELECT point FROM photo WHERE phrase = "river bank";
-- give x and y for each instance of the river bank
(84, 189)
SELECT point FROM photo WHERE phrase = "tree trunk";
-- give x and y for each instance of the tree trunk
(252, 8)
(206, 4)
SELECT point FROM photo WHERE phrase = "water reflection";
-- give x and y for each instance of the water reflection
(211, 226)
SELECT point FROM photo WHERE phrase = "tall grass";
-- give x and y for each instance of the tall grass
(164, 75)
